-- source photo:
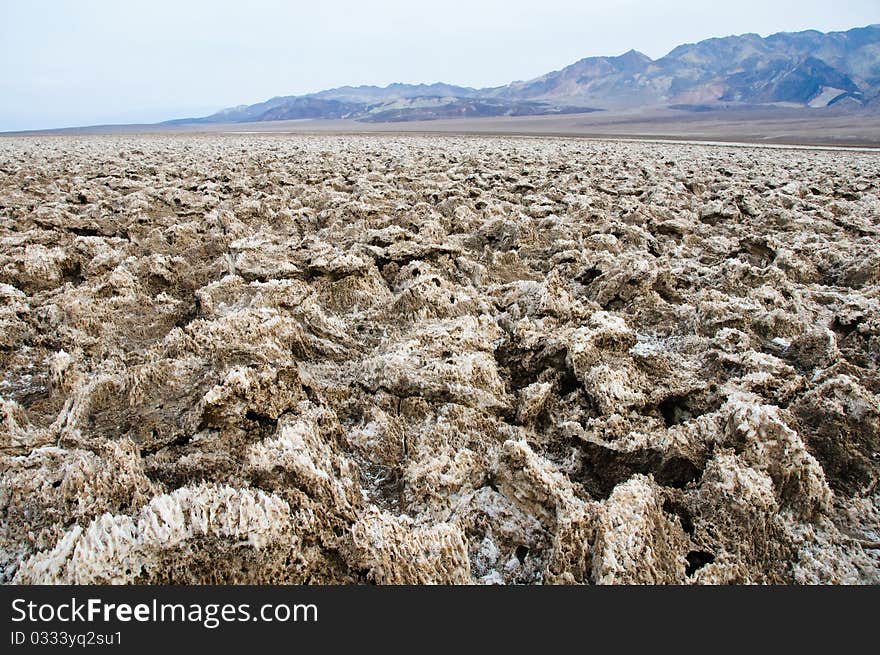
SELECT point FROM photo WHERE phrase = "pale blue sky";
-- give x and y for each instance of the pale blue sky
(84, 62)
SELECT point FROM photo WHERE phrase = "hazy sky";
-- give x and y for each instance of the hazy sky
(84, 62)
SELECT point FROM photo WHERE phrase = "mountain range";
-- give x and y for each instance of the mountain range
(800, 69)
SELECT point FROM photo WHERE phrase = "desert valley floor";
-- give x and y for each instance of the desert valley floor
(413, 359)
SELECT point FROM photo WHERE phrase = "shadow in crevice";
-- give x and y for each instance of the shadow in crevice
(603, 469)
(697, 559)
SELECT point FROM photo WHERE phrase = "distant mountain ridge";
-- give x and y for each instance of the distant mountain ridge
(808, 69)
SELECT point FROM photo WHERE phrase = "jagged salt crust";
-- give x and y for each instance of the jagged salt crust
(279, 359)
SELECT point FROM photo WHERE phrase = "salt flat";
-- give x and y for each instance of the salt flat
(414, 359)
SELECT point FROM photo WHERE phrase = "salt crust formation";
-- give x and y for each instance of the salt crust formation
(421, 360)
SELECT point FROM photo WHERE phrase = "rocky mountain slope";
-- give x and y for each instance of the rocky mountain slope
(437, 360)
(809, 69)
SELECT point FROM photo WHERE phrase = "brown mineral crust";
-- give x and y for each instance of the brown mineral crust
(391, 360)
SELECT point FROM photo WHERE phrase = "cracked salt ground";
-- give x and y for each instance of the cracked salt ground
(291, 359)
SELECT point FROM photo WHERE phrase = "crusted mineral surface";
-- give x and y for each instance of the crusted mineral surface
(437, 360)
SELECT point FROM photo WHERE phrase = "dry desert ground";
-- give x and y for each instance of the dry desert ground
(437, 359)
